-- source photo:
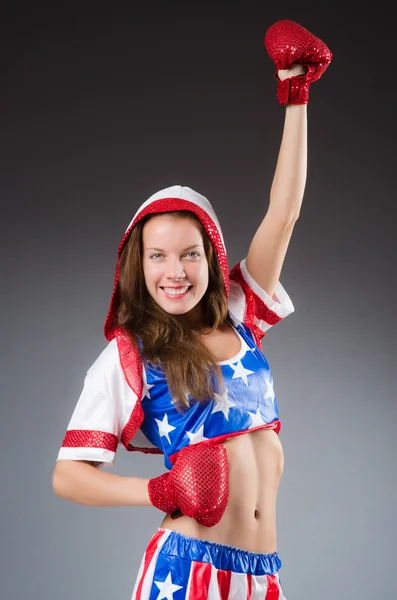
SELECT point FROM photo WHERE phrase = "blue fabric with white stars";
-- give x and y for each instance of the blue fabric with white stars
(248, 402)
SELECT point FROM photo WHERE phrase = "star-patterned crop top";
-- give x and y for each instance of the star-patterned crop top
(125, 402)
(246, 402)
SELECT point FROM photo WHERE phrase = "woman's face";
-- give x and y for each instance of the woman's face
(174, 263)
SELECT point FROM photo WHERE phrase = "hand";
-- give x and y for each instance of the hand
(196, 486)
(289, 45)
(294, 71)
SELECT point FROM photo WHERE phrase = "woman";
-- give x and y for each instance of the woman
(183, 373)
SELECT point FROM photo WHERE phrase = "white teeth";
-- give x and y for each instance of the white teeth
(174, 292)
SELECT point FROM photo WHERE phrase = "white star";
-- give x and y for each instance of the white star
(256, 419)
(241, 372)
(167, 588)
(197, 437)
(222, 404)
(270, 390)
(165, 427)
(146, 387)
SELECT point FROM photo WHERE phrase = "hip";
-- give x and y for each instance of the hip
(202, 569)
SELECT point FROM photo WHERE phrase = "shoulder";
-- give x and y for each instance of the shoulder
(107, 362)
(250, 304)
(107, 373)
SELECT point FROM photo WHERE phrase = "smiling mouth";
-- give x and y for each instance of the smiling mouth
(176, 292)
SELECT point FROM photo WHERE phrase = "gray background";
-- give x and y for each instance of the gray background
(101, 108)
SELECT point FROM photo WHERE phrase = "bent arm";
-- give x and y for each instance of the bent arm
(81, 482)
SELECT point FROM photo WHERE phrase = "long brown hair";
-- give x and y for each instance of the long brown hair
(165, 341)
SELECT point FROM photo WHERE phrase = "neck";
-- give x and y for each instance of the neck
(194, 319)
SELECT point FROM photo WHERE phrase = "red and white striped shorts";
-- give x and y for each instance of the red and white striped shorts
(176, 567)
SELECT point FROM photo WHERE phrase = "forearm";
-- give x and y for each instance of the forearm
(82, 483)
(289, 180)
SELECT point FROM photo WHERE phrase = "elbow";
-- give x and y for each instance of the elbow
(63, 482)
(286, 215)
(291, 215)
(69, 481)
(56, 481)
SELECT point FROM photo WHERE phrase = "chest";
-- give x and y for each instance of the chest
(223, 343)
(246, 402)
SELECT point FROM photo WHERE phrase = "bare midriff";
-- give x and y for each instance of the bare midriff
(255, 467)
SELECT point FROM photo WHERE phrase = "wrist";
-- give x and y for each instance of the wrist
(293, 90)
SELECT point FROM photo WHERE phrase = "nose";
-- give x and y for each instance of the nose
(176, 276)
(175, 271)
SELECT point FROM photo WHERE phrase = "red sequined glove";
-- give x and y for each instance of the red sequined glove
(287, 43)
(197, 485)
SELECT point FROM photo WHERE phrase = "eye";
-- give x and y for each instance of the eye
(156, 255)
(193, 254)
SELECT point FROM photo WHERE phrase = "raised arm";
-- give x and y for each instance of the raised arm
(270, 243)
(300, 59)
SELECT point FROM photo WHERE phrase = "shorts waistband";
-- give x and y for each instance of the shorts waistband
(221, 556)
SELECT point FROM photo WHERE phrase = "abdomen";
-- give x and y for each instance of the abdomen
(255, 467)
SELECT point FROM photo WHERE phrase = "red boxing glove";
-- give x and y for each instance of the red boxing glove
(197, 485)
(287, 43)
